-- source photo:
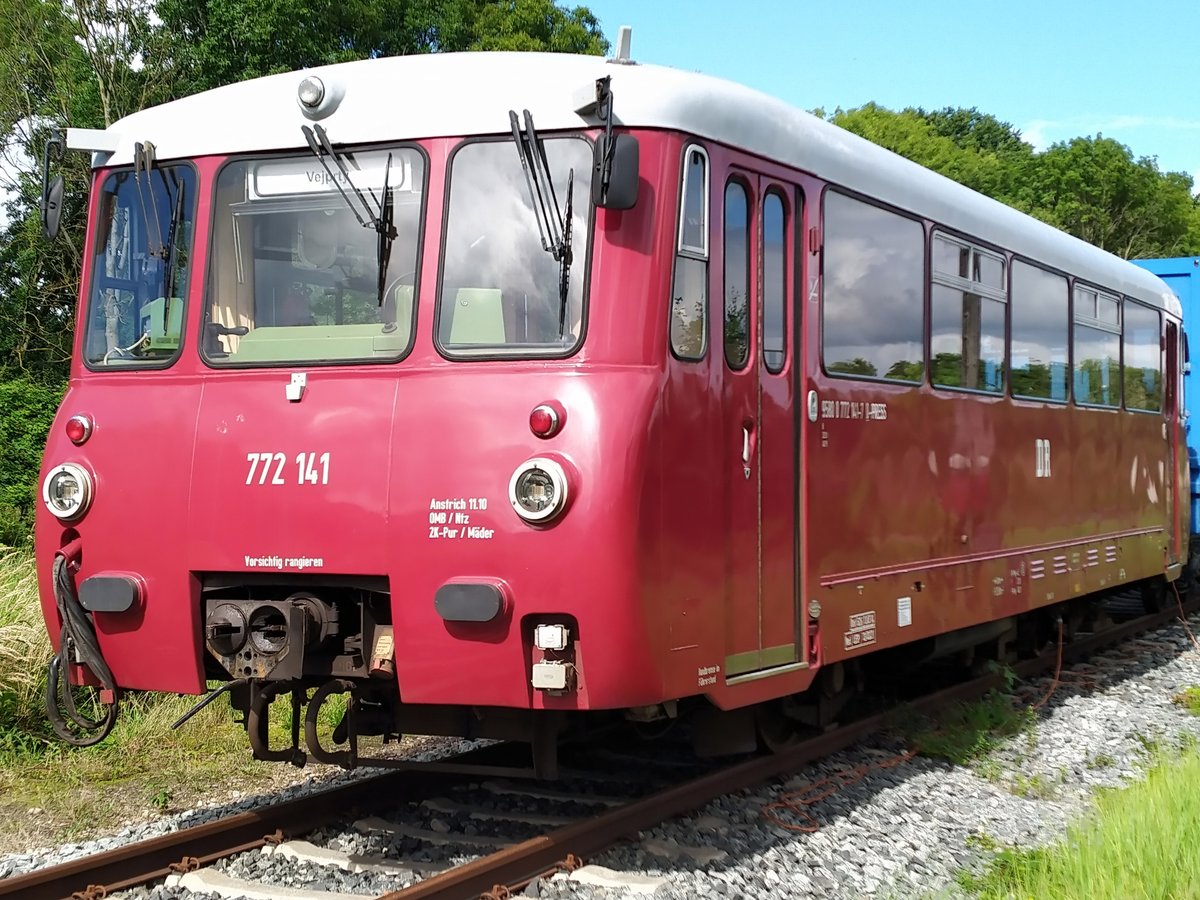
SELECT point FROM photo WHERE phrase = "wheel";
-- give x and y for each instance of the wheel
(776, 730)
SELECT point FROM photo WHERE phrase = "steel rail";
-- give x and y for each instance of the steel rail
(143, 861)
(513, 867)
(137, 863)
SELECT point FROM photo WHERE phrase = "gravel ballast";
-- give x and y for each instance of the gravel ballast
(903, 831)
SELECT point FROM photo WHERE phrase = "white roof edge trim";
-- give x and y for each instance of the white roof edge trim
(452, 95)
(93, 139)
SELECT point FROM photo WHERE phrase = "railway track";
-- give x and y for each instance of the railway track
(525, 831)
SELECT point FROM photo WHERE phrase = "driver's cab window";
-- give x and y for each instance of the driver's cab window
(296, 261)
(139, 274)
(507, 287)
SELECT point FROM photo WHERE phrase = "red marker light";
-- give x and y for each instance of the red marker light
(545, 421)
(79, 429)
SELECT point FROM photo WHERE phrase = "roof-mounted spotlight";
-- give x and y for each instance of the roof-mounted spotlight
(317, 97)
(311, 92)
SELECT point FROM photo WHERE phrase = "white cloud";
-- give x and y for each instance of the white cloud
(1043, 132)
(1169, 138)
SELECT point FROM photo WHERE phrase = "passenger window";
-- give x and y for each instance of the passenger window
(737, 276)
(968, 309)
(1142, 373)
(689, 294)
(1040, 327)
(1097, 348)
(774, 270)
(872, 317)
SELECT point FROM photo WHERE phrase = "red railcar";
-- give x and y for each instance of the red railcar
(679, 399)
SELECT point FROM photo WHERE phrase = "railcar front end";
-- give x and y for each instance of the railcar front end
(334, 427)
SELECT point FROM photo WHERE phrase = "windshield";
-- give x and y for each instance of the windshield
(295, 275)
(500, 290)
(140, 269)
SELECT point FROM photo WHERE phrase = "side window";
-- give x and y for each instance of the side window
(737, 275)
(689, 294)
(1041, 323)
(1142, 373)
(1097, 347)
(872, 317)
(967, 332)
(774, 269)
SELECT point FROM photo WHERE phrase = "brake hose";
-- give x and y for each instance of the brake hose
(78, 637)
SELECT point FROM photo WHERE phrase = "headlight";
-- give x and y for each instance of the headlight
(538, 490)
(67, 491)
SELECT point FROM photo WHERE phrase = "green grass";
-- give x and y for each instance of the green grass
(1140, 842)
(23, 642)
(52, 792)
(967, 732)
(1189, 699)
(1037, 787)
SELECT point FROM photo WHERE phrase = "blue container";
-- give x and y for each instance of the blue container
(1182, 275)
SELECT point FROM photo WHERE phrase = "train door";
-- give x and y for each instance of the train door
(1178, 472)
(754, 288)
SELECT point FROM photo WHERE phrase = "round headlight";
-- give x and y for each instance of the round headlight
(67, 491)
(538, 490)
(311, 91)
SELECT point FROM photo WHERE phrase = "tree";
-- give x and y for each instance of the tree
(47, 81)
(856, 366)
(972, 130)
(1094, 189)
(87, 63)
(223, 41)
(910, 134)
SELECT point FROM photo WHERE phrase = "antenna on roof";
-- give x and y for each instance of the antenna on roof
(624, 39)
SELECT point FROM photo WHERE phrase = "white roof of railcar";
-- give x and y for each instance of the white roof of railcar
(451, 94)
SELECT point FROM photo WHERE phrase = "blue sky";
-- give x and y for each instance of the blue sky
(1054, 69)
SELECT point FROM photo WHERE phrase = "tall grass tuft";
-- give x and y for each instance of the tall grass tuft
(24, 652)
(1139, 842)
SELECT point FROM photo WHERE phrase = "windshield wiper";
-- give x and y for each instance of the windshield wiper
(318, 143)
(381, 222)
(172, 256)
(564, 271)
(385, 228)
(554, 228)
(143, 165)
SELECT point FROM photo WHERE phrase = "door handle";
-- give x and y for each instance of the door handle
(746, 450)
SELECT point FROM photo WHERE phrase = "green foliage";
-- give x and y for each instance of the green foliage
(910, 134)
(970, 129)
(1189, 699)
(905, 370)
(1101, 761)
(1091, 187)
(1037, 786)
(24, 651)
(1140, 842)
(26, 411)
(856, 366)
(1094, 189)
(967, 732)
(223, 41)
(90, 62)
